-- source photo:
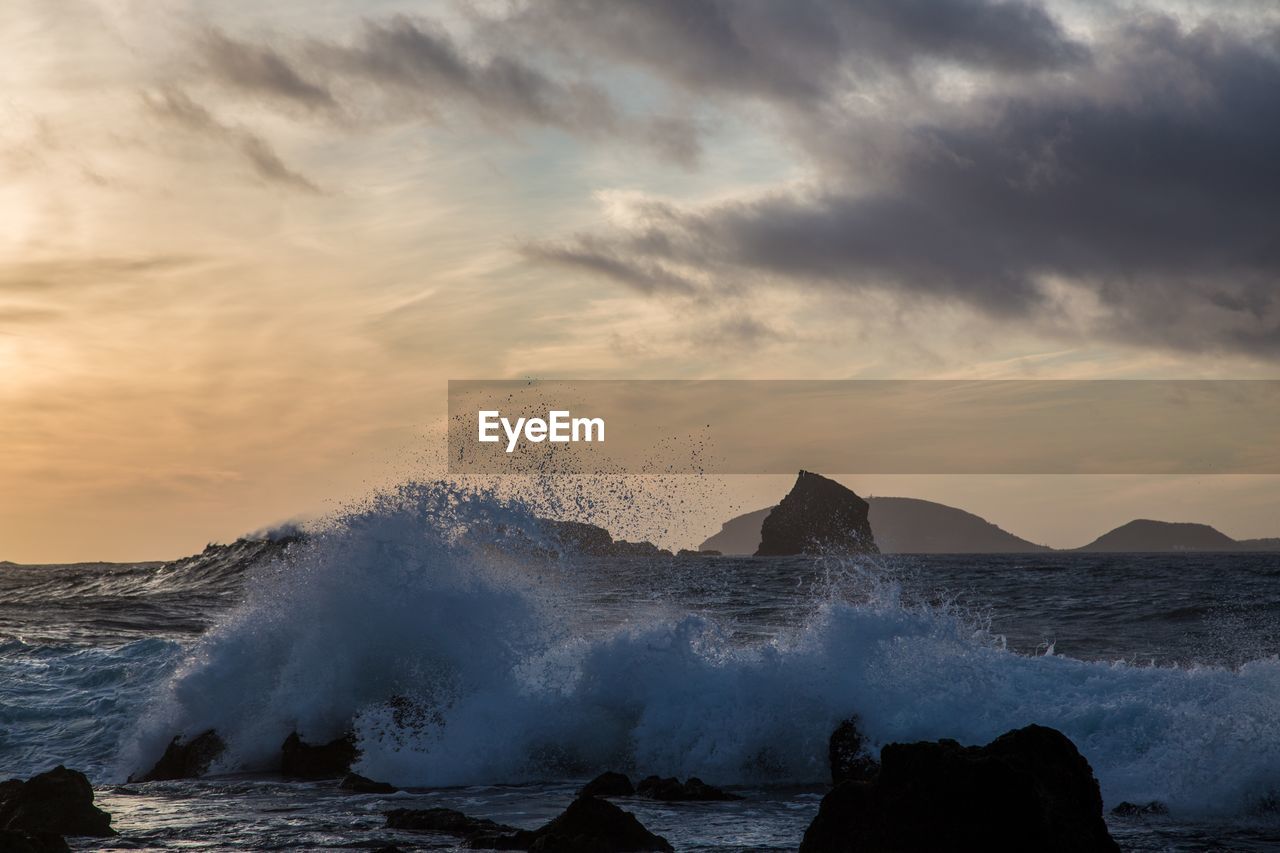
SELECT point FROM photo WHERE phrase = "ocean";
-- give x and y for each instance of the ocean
(529, 675)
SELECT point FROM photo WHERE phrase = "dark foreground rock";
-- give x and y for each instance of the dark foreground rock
(849, 755)
(185, 759)
(589, 825)
(672, 790)
(818, 516)
(608, 785)
(444, 821)
(13, 841)
(301, 760)
(59, 802)
(1029, 789)
(357, 784)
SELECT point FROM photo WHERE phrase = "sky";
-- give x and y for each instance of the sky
(244, 245)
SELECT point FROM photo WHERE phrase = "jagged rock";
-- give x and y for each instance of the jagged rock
(550, 539)
(608, 785)
(13, 841)
(445, 821)
(848, 754)
(1029, 789)
(589, 825)
(1127, 809)
(358, 784)
(188, 760)
(623, 548)
(302, 760)
(672, 790)
(818, 516)
(59, 802)
(579, 537)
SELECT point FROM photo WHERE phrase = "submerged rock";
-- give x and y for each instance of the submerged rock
(672, 790)
(850, 759)
(59, 802)
(445, 821)
(302, 760)
(589, 825)
(358, 784)
(188, 760)
(818, 516)
(1029, 789)
(1127, 809)
(608, 785)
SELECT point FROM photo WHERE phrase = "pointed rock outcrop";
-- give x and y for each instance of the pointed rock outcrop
(818, 516)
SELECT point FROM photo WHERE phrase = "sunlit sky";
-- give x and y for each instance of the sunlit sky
(243, 245)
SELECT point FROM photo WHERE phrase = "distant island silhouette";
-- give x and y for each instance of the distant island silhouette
(915, 526)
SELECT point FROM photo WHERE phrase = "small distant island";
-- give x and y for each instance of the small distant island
(914, 526)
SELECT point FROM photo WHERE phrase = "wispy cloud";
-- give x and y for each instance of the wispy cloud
(177, 107)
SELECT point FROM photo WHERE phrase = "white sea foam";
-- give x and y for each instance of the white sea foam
(499, 683)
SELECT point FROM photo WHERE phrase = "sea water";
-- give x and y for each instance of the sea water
(526, 676)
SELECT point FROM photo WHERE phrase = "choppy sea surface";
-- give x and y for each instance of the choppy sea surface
(530, 675)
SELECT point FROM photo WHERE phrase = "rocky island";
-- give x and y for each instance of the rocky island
(818, 516)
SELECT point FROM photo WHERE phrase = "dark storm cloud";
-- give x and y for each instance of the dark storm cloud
(1150, 181)
(803, 49)
(178, 107)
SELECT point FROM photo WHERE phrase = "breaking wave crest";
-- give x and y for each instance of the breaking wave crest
(455, 665)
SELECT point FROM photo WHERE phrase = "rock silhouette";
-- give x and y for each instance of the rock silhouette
(357, 784)
(672, 790)
(1144, 535)
(589, 825)
(302, 760)
(900, 526)
(847, 750)
(185, 760)
(818, 516)
(13, 841)
(444, 821)
(57, 802)
(608, 785)
(1029, 789)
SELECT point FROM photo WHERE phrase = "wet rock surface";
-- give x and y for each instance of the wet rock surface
(58, 802)
(185, 759)
(672, 790)
(1029, 789)
(301, 760)
(608, 785)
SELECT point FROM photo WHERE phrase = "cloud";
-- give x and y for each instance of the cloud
(177, 107)
(18, 315)
(800, 50)
(1147, 181)
(402, 68)
(259, 69)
